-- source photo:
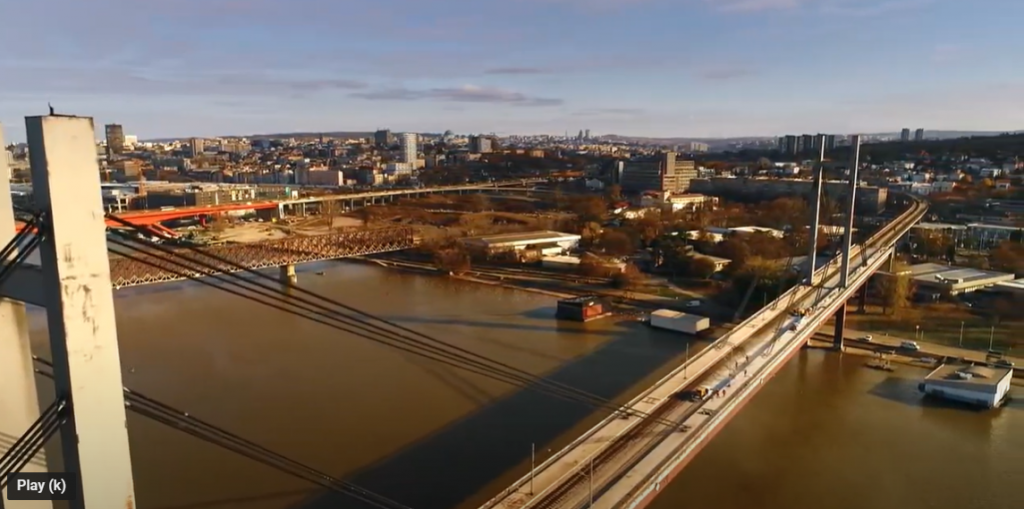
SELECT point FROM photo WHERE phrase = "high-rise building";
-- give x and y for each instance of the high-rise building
(586, 134)
(409, 151)
(905, 134)
(806, 144)
(383, 138)
(115, 139)
(829, 141)
(196, 146)
(663, 173)
(480, 145)
(919, 135)
(788, 144)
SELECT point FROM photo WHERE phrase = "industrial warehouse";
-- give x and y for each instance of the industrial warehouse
(547, 243)
(951, 280)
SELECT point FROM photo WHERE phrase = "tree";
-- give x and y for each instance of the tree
(649, 227)
(674, 256)
(701, 267)
(451, 257)
(589, 208)
(628, 278)
(617, 243)
(896, 290)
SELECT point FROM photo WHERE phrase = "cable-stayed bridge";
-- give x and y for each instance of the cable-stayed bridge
(626, 466)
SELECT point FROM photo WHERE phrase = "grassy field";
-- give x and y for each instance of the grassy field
(941, 323)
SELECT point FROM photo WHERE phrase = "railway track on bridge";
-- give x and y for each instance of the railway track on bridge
(125, 272)
(625, 451)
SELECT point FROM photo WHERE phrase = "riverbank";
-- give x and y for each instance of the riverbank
(929, 356)
(552, 284)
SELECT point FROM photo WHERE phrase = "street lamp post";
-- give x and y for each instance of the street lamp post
(687, 361)
(917, 330)
(991, 337)
(961, 334)
(533, 465)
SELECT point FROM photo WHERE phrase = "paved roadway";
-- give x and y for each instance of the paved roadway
(927, 349)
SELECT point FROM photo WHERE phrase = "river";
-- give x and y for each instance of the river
(825, 432)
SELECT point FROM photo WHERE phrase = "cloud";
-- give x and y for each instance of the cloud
(464, 94)
(726, 73)
(609, 112)
(864, 8)
(517, 70)
(755, 5)
(115, 82)
(871, 8)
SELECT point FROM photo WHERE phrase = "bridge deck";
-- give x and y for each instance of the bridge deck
(770, 349)
(558, 477)
(630, 458)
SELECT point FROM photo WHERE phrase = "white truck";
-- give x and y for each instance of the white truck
(679, 321)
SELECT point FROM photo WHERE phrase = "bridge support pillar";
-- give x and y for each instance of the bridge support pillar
(837, 338)
(812, 238)
(19, 406)
(287, 275)
(862, 299)
(80, 309)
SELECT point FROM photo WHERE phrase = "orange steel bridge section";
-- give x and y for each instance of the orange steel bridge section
(154, 217)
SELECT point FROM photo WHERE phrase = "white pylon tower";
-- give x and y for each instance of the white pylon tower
(72, 283)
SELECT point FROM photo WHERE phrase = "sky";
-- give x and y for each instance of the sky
(664, 68)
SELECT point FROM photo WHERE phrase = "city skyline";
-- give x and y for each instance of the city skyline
(659, 68)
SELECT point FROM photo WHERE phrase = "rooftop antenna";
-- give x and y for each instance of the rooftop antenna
(51, 109)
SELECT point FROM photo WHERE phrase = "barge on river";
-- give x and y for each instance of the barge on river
(583, 309)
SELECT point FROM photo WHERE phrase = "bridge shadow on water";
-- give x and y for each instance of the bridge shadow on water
(556, 326)
(905, 391)
(447, 467)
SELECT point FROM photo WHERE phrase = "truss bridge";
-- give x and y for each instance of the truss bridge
(143, 269)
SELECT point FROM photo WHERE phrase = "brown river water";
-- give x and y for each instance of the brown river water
(825, 433)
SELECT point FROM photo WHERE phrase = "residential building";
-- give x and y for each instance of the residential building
(196, 147)
(905, 134)
(115, 139)
(383, 138)
(919, 135)
(480, 144)
(409, 148)
(662, 173)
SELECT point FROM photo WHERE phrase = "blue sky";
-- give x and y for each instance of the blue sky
(638, 67)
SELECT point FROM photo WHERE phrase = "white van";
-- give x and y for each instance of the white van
(910, 345)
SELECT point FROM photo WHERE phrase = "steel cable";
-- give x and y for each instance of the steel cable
(342, 322)
(520, 377)
(33, 440)
(186, 423)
